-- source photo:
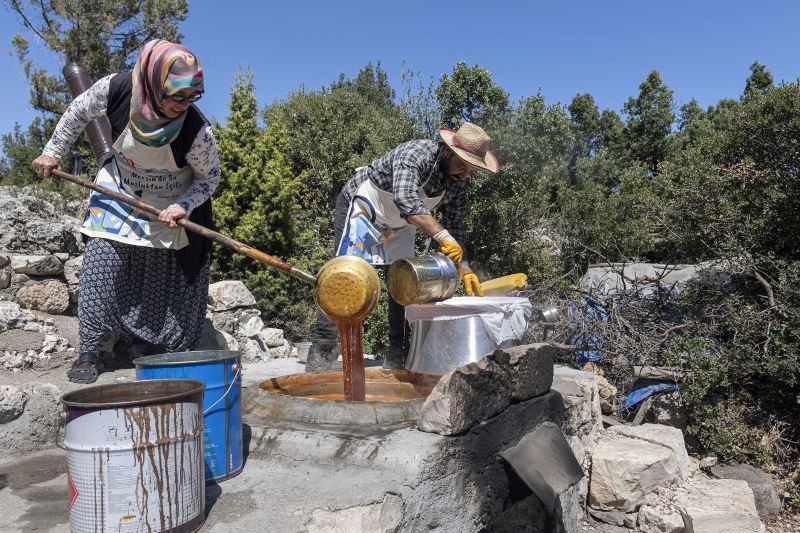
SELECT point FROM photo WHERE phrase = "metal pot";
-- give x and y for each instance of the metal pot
(347, 289)
(439, 347)
(423, 279)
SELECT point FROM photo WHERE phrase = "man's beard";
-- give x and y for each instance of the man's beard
(444, 168)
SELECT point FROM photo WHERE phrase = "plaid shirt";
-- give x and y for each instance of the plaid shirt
(403, 170)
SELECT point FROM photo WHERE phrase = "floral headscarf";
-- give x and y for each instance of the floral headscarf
(163, 69)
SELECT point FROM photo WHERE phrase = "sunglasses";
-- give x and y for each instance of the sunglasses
(180, 99)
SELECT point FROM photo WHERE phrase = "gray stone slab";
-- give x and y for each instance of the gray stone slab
(767, 501)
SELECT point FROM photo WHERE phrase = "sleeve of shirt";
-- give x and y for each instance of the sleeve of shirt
(204, 160)
(406, 177)
(91, 104)
(453, 211)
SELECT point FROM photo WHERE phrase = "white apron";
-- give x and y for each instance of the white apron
(149, 173)
(375, 230)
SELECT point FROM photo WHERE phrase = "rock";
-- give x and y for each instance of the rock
(5, 278)
(718, 506)
(12, 316)
(625, 470)
(252, 350)
(530, 369)
(583, 419)
(226, 295)
(279, 352)
(53, 236)
(4, 260)
(767, 501)
(665, 435)
(607, 390)
(660, 520)
(72, 270)
(250, 323)
(478, 391)
(18, 280)
(466, 396)
(50, 297)
(226, 321)
(37, 426)
(615, 518)
(380, 517)
(668, 410)
(271, 337)
(36, 265)
(12, 403)
(62, 256)
(607, 393)
(54, 343)
(707, 462)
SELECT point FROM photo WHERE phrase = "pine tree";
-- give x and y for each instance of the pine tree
(256, 200)
(759, 81)
(102, 35)
(650, 119)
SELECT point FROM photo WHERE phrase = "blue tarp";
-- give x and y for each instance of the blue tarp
(644, 388)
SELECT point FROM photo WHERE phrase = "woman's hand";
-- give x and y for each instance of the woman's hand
(171, 215)
(44, 164)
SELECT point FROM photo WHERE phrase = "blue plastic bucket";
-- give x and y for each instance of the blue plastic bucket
(220, 371)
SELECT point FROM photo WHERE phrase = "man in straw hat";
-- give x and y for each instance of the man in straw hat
(379, 210)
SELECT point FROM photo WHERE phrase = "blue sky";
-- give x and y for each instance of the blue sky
(702, 48)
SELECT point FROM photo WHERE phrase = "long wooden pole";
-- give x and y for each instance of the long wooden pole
(224, 240)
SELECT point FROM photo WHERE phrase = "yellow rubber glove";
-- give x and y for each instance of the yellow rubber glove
(451, 249)
(471, 283)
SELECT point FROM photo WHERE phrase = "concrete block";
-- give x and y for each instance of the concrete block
(625, 470)
(718, 506)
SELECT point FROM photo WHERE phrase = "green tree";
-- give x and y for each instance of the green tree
(759, 81)
(371, 82)
(612, 132)
(256, 201)
(469, 94)
(649, 123)
(510, 214)
(103, 35)
(585, 118)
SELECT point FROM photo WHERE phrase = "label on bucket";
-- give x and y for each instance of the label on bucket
(135, 468)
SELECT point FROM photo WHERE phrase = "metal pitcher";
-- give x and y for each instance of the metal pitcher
(423, 279)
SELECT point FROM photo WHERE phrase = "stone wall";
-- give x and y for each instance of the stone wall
(41, 254)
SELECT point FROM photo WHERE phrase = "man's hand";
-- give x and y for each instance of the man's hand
(171, 215)
(449, 247)
(471, 283)
(44, 165)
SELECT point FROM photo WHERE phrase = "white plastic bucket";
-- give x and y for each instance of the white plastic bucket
(135, 456)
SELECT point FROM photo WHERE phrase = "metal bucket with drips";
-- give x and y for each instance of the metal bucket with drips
(135, 456)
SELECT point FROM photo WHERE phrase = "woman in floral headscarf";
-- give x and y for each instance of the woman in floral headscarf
(144, 277)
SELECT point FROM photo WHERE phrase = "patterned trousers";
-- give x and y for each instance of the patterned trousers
(140, 292)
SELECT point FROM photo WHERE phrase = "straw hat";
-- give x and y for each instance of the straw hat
(471, 144)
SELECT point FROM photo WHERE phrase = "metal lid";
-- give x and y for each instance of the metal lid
(185, 358)
(134, 393)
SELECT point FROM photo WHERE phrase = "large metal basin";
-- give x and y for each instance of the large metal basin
(439, 347)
